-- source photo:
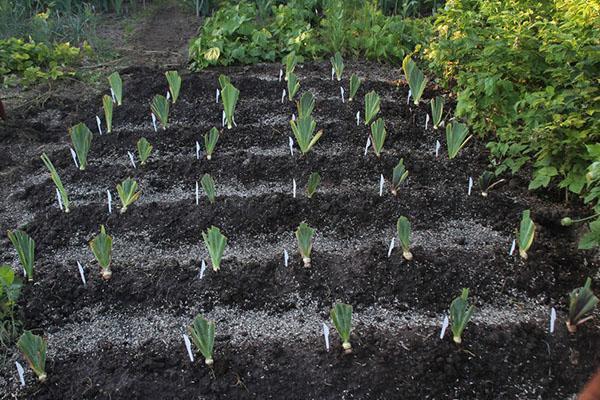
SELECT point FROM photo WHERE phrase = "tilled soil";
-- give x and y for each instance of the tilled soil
(122, 338)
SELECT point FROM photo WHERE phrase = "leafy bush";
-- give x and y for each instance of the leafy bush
(527, 72)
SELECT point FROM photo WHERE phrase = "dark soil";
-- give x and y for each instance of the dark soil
(117, 339)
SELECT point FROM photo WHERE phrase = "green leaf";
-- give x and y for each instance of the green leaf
(456, 138)
(303, 129)
(355, 82)
(592, 238)
(107, 105)
(144, 149)
(313, 181)
(404, 232)
(202, 333)
(341, 316)
(337, 64)
(57, 181)
(208, 185)
(81, 137)
(229, 97)
(174, 81)
(210, 142)
(581, 302)
(128, 193)
(25, 247)
(526, 233)
(460, 314)
(437, 108)
(378, 135)
(116, 84)
(215, 242)
(33, 348)
(160, 108)
(306, 105)
(416, 80)
(371, 106)
(101, 246)
(304, 235)
(293, 85)
(399, 175)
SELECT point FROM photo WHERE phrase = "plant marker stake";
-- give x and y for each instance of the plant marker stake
(357, 118)
(332, 72)
(197, 151)
(188, 346)
(367, 145)
(391, 247)
(223, 119)
(286, 257)
(99, 124)
(81, 273)
(445, 324)
(280, 74)
(168, 96)
(552, 319)
(154, 122)
(437, 148)
(326, 335)
(513, 247)
(217, 95)
(293, 117)
(59, 198)
(197, 194)
(426, 121)
(74, 157)
(109, 196)
(112, 94)
(294, 187)
(21, 373)
(202, 269)
(130, 154)
(283, 96)
(342, 92)
(470, 186)
(408, 97)
(381, 182)
(291, 142)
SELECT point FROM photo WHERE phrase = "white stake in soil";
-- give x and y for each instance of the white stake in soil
(202, 269)
(74, 157)
(392, 243)
(197, 151)
(342, 93)
(283, 96)
(381, 182)
(81, 273)
(291, 142)
(131, 159)
(357, 118)
(293, 117)
(552, 319)
(21, 373)
(188, 346)
(197, 193)
(154, 122)
(426, 120)
(470, 186)
(59, 198)
(99, 124)
(280, 74)
(445, 324)
(437, 148)
(326, 335)
(294, 188)
(286, 258)
(367, 145)
(408, 97)
(332, 72)
(168, 96)
(217, 95)
(513, 247)
(112, 94)
(109, 201)
(223, 119)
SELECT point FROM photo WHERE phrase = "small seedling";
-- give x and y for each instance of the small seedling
(108, 106)
(25, 247)
(304, 129)
(306, 105)
(581, 302)
(101, 247)
(355, 82)
(160, 108)
(81, 137)
(526, 234)
(224, 81)
(399, 175)
(33, 348)
(116, 84)
(487, 182)
(416, 80)
(313, 182)
(10, 290)
(202, 333)
(456, 138)
(208, 185)
(215, 242)
(128, 193)
(174, 81)
(304, 235)
(337, 64)
(290, 61)
(378, 135)
(341, 316)
(293, 85)
(144, 148)
(372, 105)
(404, 232)
(229, 97)
(437, 108)
(210, 142)
(57, 182)
(460, 314)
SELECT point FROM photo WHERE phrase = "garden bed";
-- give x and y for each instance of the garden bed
(123, 338)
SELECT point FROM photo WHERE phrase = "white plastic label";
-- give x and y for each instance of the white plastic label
(280, 74)
(294, 188)
(470, 186)
(197, 151)
(326, 335)
(445, 324)
(552, 319)
(283, 96)
(202, 269)
(99, 124)
(59, 198)
(131, 159)
(342, 93)
(286, 257)
(223, 119)
(367, 145)
(513, 246)
(357, 118)
(392, 243)
(21, 373)
(154, 122)
(109, 199)
(188, 346)
(437, 148)
(426, 121)
(74, 157)
(217, 95)
(291, 142)
(408, 97)
(381, 182)
(81, 273)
